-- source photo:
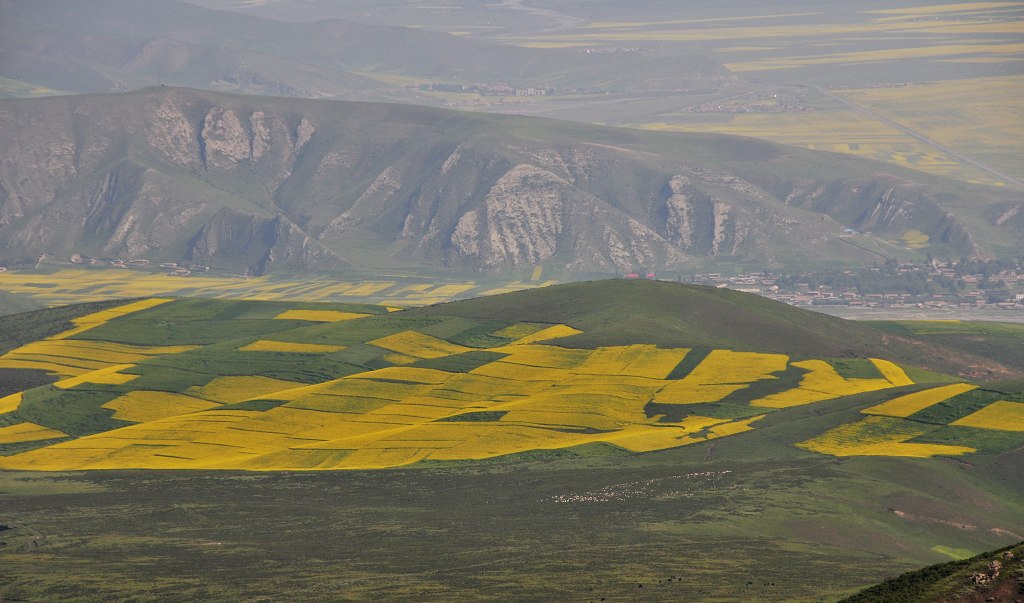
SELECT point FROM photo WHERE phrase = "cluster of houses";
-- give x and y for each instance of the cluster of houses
(171, 268)
(1010, 297)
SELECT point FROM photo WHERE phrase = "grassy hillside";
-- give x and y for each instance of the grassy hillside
(991, 576)
(604, 468)
(996, 340)
(622, 312)
(163, 383)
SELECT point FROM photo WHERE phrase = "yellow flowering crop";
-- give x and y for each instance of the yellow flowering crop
(320, 315)
(236, 389)
(413, 343)
(634, 360)
(878, 436)
(28, 432)
(264, 345)
(1002, 416)
(549, 333)
(547, 356)
(892, 373)
(904, 406)
(721, 373)
(73, 357)
(820, 383)
(10, 403)
(733, 427)
(405, 373)
(109, 375)
(140, 406)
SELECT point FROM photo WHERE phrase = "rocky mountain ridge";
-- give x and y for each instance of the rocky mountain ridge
(270, 184)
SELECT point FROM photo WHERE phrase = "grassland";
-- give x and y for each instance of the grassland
(992, 339)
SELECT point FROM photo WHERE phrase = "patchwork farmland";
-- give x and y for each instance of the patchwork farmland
(489, 432)
(78, 285)
(210, 384)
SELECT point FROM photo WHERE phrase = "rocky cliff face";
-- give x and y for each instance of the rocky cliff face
(247, 183)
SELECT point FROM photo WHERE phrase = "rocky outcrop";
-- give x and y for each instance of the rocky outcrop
(263, 244)
(886, 206)
(699, 222)
(533, 216)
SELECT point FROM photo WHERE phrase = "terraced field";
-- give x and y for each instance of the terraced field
(212, 384)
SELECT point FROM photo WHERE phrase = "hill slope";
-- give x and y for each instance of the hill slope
(671, 457)
(992, 576)
(623, 312)
(262, 184)
(350, 386)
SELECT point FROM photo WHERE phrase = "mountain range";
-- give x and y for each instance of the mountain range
(116, 45)
(264, 184)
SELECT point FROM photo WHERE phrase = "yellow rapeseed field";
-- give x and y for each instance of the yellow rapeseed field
(822, 382)
(634, 360)
(28, 432)
(10, 403)
(418, 345)
(140, 406)
(265, 345)
(403, 373)
(892, 372)
(537, 396)
(399, 358)
(547, 356)
(75, 285)
(879, 436)
(733, 427)
(98, 318)
(904, 406)
(236, 389)
(320, 315)
(721, 373)
(72, 357)
(1001, 416)
(110, 375)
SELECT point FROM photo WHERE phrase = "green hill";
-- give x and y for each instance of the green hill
(991, 576)
(490, 442)
(622, 312)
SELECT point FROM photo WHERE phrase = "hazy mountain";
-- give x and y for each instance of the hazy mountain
(109, 45)
(283, 184)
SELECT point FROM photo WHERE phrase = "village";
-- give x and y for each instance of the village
(967, 285)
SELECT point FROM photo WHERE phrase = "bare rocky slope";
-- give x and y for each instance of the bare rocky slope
(275, 184)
